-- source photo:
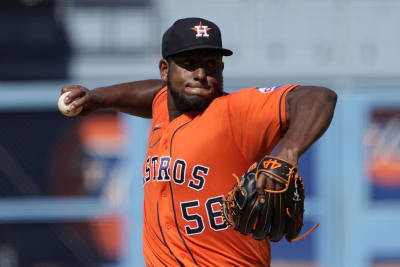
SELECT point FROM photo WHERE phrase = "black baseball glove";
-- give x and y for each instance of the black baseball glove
(282, 212)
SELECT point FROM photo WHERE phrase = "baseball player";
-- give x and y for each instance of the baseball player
(199, 137)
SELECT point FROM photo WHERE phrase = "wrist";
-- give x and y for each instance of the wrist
(289, 154)
(97, 98)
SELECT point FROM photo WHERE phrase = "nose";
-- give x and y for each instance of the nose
(200, 74)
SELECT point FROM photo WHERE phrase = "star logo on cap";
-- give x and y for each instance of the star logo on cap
(201, 30)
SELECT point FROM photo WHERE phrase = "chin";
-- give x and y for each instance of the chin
(196, 103)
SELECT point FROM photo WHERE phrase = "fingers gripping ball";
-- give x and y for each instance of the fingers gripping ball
(65, 109)
(282, 212)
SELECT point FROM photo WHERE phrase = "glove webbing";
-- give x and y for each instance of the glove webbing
(270, 166)
(276, 163)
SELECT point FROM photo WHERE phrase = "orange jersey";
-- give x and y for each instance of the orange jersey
(188, 171)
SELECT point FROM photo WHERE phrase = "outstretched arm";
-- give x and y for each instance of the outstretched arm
(134, 98)
(309, 111)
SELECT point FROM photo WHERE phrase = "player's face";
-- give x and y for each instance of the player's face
(194, 79)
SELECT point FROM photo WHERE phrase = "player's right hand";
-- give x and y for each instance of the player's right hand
(82, 97)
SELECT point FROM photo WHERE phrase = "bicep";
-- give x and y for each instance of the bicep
(296, 94)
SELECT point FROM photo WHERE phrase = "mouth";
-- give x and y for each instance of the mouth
(204, 92)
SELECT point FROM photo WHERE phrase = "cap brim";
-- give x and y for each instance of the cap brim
(222, 51)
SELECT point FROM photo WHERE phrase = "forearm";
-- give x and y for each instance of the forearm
(310, 110)
(134, 98)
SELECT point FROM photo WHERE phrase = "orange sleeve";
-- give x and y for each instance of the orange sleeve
(157, 101)
(258, 119)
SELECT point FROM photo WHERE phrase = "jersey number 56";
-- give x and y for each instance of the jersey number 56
(197, 226)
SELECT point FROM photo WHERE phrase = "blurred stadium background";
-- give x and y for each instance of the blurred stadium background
(70, 188)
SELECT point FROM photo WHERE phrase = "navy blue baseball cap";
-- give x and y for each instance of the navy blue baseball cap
(192, 34)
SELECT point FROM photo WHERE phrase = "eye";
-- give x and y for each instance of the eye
(188, 62)
(212, 64)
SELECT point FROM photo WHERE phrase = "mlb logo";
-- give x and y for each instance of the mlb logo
(267, 90)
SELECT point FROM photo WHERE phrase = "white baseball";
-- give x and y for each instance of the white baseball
(66, 109)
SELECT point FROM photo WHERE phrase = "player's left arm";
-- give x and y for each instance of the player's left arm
(309, 111)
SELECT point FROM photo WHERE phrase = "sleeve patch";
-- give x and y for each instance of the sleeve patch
(268, 90)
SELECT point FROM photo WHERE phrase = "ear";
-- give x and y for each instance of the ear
(163, 66)
(222, 66)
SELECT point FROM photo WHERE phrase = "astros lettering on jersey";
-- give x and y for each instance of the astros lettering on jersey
(188, 169)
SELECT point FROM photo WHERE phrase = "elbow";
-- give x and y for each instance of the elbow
(323, 95)
(329, 95)
(318, 94)
(314, 96)
(327, 99)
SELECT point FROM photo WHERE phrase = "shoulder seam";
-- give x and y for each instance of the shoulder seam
(281, 125)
